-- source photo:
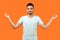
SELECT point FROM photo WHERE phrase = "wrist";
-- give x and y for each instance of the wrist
(52, 18)
(9, 18)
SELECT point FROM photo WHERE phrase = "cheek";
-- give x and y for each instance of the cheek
(27, 10)
(32, 10)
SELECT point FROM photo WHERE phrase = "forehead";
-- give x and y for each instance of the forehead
(29, 6)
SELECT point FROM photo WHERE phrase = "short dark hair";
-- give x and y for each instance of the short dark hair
(30, 4)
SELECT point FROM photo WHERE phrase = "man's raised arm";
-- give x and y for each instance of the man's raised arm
(14, 25)
(49, 22)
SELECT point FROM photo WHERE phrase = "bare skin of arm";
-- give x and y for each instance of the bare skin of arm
(11, 22)
(49, 22)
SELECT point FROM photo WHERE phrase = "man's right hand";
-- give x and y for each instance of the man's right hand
(6, 15)
(14, 25)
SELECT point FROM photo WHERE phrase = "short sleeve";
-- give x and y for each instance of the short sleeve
(40, 22)
(20, 20)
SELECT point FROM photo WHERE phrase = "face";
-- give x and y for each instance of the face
(30, 10)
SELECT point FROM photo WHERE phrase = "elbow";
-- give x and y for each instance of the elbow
(45, 27)
(14, 27)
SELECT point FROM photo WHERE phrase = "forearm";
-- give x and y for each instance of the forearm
(14, 26)
(47, 25)
(49, 22)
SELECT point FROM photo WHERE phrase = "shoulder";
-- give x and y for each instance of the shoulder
(37, 16)
(22, 16)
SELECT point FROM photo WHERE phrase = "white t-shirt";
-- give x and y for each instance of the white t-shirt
(30, 27)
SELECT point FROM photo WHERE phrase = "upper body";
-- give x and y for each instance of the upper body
(30, 22)
(30, 25)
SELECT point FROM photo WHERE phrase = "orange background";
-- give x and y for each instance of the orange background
(17, 8)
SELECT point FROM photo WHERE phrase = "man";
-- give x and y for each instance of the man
(30, 22)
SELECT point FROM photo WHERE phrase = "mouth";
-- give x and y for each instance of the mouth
(30, 13)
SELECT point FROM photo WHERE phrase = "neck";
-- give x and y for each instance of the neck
(30, 15)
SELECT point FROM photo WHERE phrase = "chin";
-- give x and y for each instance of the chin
(30, 14)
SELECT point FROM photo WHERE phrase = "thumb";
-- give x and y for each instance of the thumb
(5, 14)
(56, 16)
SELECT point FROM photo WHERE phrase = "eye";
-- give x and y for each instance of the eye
(31, 8)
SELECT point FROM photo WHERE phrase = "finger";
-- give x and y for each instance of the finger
(5, 14)
(56, 16)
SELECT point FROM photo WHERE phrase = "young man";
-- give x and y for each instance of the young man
(30, 22)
